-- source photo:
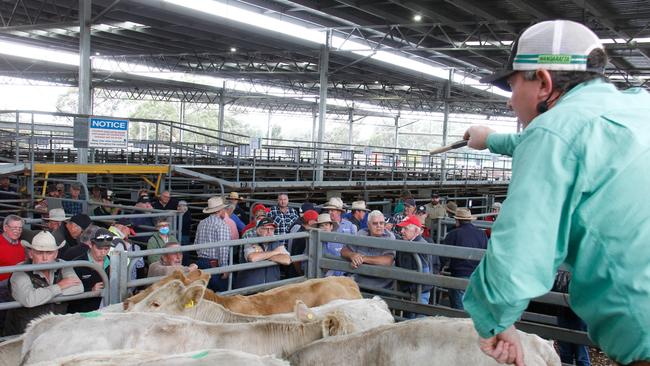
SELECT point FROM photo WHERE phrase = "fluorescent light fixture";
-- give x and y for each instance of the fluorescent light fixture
(417, 17)
(233, 49)
(237, 14)
(38, 53)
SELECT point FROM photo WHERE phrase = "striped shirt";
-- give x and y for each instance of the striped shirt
(213, 229)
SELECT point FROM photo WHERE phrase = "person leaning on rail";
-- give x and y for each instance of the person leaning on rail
(34, 289)
(585, 145)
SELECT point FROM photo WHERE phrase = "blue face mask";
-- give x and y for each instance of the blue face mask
(164, 230)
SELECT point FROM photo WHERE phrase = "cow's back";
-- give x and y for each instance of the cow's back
(10, 352)
(282, 299)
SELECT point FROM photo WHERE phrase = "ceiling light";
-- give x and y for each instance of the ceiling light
(233, 49)
(417, 17)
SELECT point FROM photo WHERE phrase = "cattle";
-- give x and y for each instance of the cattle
(425, 341)
(282, 299)
(177, 299)
(10, 352)
(191, 277)
(132, 357)
(95, 331)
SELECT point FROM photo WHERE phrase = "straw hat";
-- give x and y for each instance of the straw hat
(325, 218)
(334, 203)
(359, 205)
(464, 214)
(234, 196)
(56, 214)
(43, 241)
(215, 204)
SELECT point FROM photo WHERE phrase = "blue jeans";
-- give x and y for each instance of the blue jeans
(424, 299)
(570, 351)
(456, 298)
(216, 284)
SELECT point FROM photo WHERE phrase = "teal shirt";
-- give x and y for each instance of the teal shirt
(578, 195)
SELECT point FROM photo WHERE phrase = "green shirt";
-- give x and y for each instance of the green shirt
(578, 195)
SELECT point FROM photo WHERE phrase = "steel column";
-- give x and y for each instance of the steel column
(445, 126)
(84, 101)
(222, 114)
(351, 121)
(322, 103)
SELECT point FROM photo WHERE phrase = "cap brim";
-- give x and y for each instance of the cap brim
(499, 79)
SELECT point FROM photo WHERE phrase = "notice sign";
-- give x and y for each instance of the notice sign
(104, 132)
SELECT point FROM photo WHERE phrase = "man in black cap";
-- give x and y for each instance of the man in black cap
(97, 253)
(71, 231)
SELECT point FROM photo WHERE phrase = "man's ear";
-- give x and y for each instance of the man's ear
(545, 90)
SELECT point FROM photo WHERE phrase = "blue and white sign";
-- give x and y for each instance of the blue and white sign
(103, 132)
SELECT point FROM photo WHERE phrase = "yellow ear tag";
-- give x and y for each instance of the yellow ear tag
(189, 304)
(310, 316)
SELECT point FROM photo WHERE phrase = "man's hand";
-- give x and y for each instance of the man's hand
(505, 347)
(356, 260)
(68, 282)
(225, 275)
(477, 137)
(192, 267)
(98, 286)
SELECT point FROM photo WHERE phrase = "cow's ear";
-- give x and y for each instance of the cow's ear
(303, 313)
(334, 324)
(191, 297)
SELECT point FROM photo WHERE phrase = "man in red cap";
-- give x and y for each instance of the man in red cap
(411, 230)
(259, 211)
(299, 246)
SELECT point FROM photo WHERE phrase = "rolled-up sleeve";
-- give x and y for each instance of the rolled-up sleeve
(503, 143)
(529, 239)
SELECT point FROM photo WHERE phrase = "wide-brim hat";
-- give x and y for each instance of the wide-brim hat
(560, 45)
(325, 218)
(234, 196)
(56, 214)
(215, 204)
(334, 203)
(464, 214)
(43, 241)
(359, 206)
(451, 207)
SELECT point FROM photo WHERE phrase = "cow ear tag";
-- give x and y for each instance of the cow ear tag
(190, 304)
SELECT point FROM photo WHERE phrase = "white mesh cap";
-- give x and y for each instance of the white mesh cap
(560, 45)
(555, 45)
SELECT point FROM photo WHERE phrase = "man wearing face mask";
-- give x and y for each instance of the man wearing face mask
(159, 239)
(584, 142)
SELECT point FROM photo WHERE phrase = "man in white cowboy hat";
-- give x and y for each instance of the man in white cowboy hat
(358, 213)
(464, 235)
(238, 211)
(213, 229)
(55, 218)
(358, 255)
(273, 251)
(35, 289)
(335, 208)
(584, 144)
(283, 215)
(435, 211)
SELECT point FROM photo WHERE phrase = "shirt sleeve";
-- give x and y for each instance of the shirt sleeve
(529, 239)
(503, 143)
(224, 252)
(24, 292)
(72, 290)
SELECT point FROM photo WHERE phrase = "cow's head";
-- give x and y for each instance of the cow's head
(172, 298)
(194, 276)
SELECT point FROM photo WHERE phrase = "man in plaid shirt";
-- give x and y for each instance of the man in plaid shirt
(214, 229)
(283, 216)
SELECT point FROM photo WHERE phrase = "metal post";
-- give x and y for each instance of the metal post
(114, 279)
(445, 126)
(181, 119)
(351, 121)
(155, 149)
(396, 131)
(315, 253)
(84, 75)
(222, 114)
(322, 102)
(268, 127)
(18, 138)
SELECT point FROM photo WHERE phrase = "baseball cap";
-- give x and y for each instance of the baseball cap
(265, 221)
(560, 45)
(103, 238)
(409, 202)
(306, 207)
(144, 199)
(410, 220)
(310, 215)
(260, 207)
